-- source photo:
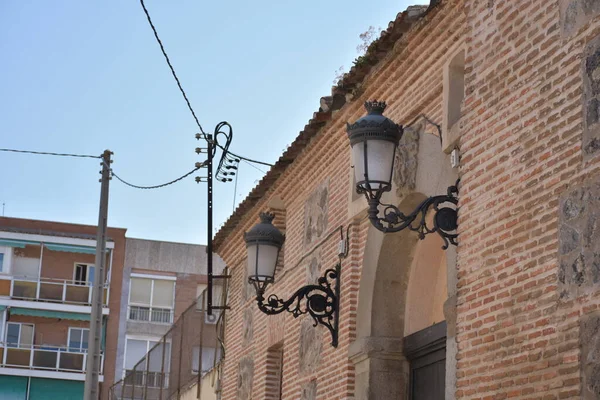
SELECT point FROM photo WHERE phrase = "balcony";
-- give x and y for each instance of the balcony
(150, 314)
(47, 358)
(49, 290)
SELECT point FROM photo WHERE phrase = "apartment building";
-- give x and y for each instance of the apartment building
(46, 277)
(161, 281)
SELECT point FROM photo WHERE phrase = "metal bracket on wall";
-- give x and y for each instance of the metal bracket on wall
(320, 301)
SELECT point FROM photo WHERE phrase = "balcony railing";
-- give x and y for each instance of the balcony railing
(47, 358)
(146, 378)
(50, 290)
(150, 314)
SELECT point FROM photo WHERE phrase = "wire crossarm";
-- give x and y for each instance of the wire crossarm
(320, 301)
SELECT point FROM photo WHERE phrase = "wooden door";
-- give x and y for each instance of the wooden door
(426, 352)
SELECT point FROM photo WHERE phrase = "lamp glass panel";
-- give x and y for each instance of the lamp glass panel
(267, 260)
(380, 161)
(358, 158)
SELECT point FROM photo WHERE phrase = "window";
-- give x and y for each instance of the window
(137, 352)
(208, 358)
(19, 335)
(84, 274)
(78, 339)
(5, 256)
(151, 300)
(274, 378)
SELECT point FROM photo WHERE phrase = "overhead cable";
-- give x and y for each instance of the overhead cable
(46, 153)
(164, 52)
(155, 186)
(225, 148)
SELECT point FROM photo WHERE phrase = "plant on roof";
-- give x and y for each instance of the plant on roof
(364, 50)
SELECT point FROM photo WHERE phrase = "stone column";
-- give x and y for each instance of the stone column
(381, 369)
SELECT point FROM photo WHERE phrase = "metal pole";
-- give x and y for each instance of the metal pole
(199, 382)
(92, 373)
(163, 374)
(182, 318)
(209, 251)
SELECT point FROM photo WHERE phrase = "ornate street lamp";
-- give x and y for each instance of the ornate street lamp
(320, 301)
(374, 139)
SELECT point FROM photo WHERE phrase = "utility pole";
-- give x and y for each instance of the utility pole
(92, 372)
(209, 221)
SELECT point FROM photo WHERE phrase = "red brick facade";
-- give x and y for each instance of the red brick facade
(523, 309)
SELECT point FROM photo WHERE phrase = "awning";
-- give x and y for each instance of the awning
(69, 248)
(31, 312)
(17, 243)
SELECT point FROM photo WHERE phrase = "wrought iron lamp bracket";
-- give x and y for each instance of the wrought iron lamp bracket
(393, 220)
(320, 301)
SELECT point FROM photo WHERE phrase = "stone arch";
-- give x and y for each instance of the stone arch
(377, 353)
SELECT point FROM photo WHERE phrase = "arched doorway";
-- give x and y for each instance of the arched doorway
(424, 342)
(406, 292)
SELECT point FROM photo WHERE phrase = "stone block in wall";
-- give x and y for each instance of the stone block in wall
(590, 145)
(313, 268)
(589, 337)
(406, 160)
(579, 240)
(309, 391)
(316, 213)
(247, 327)
(574, 14)
(248, 291)
(311, 343)
(245, 378)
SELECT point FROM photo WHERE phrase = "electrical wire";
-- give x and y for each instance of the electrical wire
(253, 166)
(155, 186)
(164, 52)
(187, 101)
(249, 160)
(45, 153)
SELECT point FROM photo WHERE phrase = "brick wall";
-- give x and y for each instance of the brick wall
(317, 187)
(522, 152)
(528, 262)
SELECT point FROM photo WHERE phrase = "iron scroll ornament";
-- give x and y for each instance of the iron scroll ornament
(445, 220)
(320, 301)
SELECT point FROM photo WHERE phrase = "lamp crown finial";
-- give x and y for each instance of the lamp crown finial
(375, 107)
(266, 217)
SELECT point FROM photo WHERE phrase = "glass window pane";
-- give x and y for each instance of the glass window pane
(208, 359)
(156, 357)
(1, 261)
(78, 273)
(75, 340)
(140, 291)
(163, 293)
(12, 334)
(134, 352)
(26, 335)
(84, 340)
(195, 358)
(90, 274)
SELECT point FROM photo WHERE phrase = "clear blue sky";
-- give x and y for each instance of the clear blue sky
(82, 76)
